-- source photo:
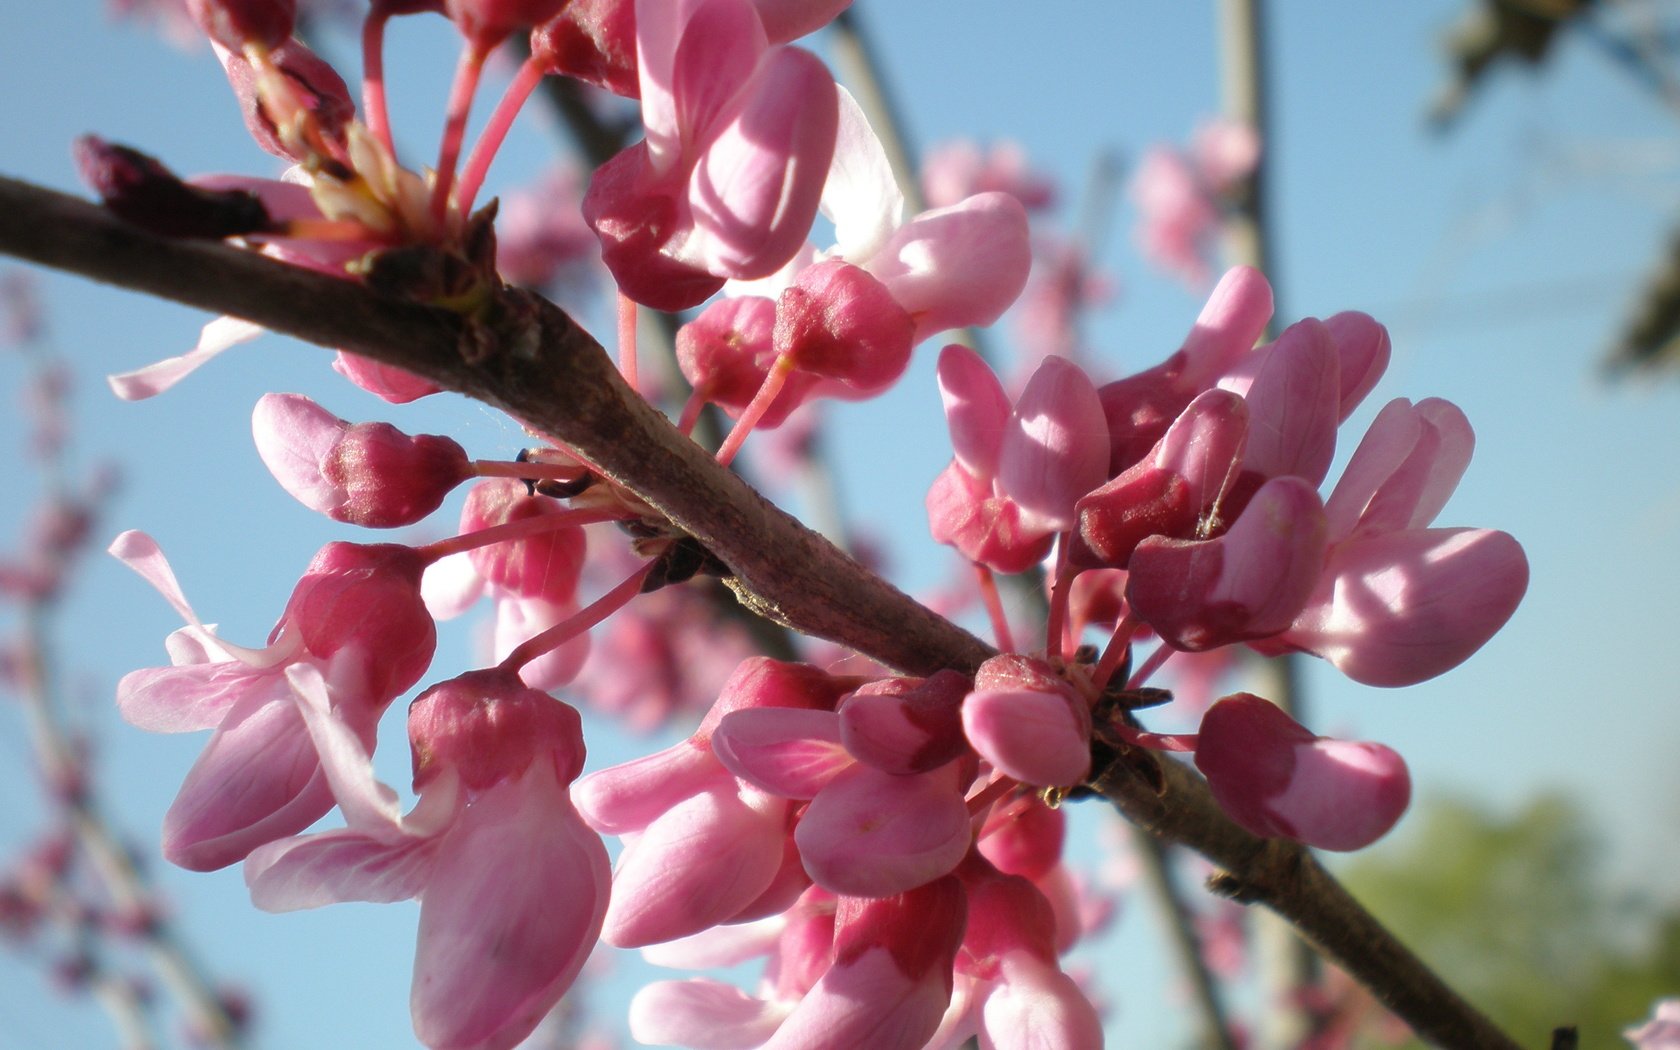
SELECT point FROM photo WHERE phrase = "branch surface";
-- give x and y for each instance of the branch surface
(530, 359)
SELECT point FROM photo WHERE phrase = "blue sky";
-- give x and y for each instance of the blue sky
(1502, 256)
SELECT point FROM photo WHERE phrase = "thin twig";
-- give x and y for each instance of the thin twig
(1204, 990)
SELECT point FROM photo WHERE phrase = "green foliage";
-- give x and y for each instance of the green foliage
(1517, 914)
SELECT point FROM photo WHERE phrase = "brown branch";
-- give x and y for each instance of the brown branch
(534, 362)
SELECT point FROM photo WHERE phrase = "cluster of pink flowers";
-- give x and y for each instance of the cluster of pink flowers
(890, 844)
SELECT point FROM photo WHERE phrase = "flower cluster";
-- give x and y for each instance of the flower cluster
(890, 844)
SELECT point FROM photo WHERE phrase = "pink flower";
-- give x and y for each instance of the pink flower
(532, 580)
(1179, 196)
(960, 168)
(356, 619)
(1018, 470)
(739, 139)
(368, 474)
(1661, 1032)
(1275, 778)
(1397, 601)
(512, 884)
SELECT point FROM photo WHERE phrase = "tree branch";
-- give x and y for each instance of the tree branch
(533, 361)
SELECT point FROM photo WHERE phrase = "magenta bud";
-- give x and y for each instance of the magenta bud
(140, 190)
(236, 23)
(487, 725)
(838, 322)
(906, 725)
(368, 596)
(594, 41)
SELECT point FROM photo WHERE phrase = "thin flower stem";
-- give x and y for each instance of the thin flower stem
(495, 132)
(512, 530)
(755, 410)
(1055, 621)
(690, 413)
(578, 622)
(1115, 654)
(374, 109)
(1153, 663)
(982, 800)
(461, 93)
(627, 340)
(536, 469)
(994, 608)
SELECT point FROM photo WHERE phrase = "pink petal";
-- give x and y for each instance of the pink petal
(630, 796)
(1039, 738)
(697, 865)
(1037, 1007)
(703, 1014)
(718, 49)
(1404, 470)
(1293, 404)
(258, 780)
(958, 266)
(756, 187)
(976, 409)
(294, 437)
(194, 696)
(450, 586)
(1249, 583)
(155, 378)
(520, 890)
(871, 834)
(784, 751)
(786, 20)
(1345, 794)
(1056, 447)
(860, 196)
(719, 946)
(142, 554)
(1400, 608)
(1363, 347)
(337, 866)
(1233, 319)
(867, 1002)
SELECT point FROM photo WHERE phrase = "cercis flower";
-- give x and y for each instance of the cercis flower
(1179, 195)
(1275, 778)
(356, 618)
(532, 580)
(1018, 470)
(512, 884)
(368, 474)
(739, 138)
(1661, 1032)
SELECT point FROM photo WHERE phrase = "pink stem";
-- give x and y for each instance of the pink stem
(1147, 669)
(1178, 742)
(627, 340)
(373, 78)
(691, 414)
(755, 411)
(999, 786)
(578, 622)
(501, 468)
(1054, 644)
(994, 607)
(513, 530)
(1115, 653)
(495, 132)
(455, 124)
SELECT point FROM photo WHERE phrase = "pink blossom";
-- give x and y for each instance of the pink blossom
(532, 580)
(1028, 722)
(1018, 470)
(1179, 196)
(512, 884)
(1275, 778)
(1661, 1032)
(356, 619)
(726, 183)
(369, 474)
(1397, 601)
(952, 171)
(701, 847)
